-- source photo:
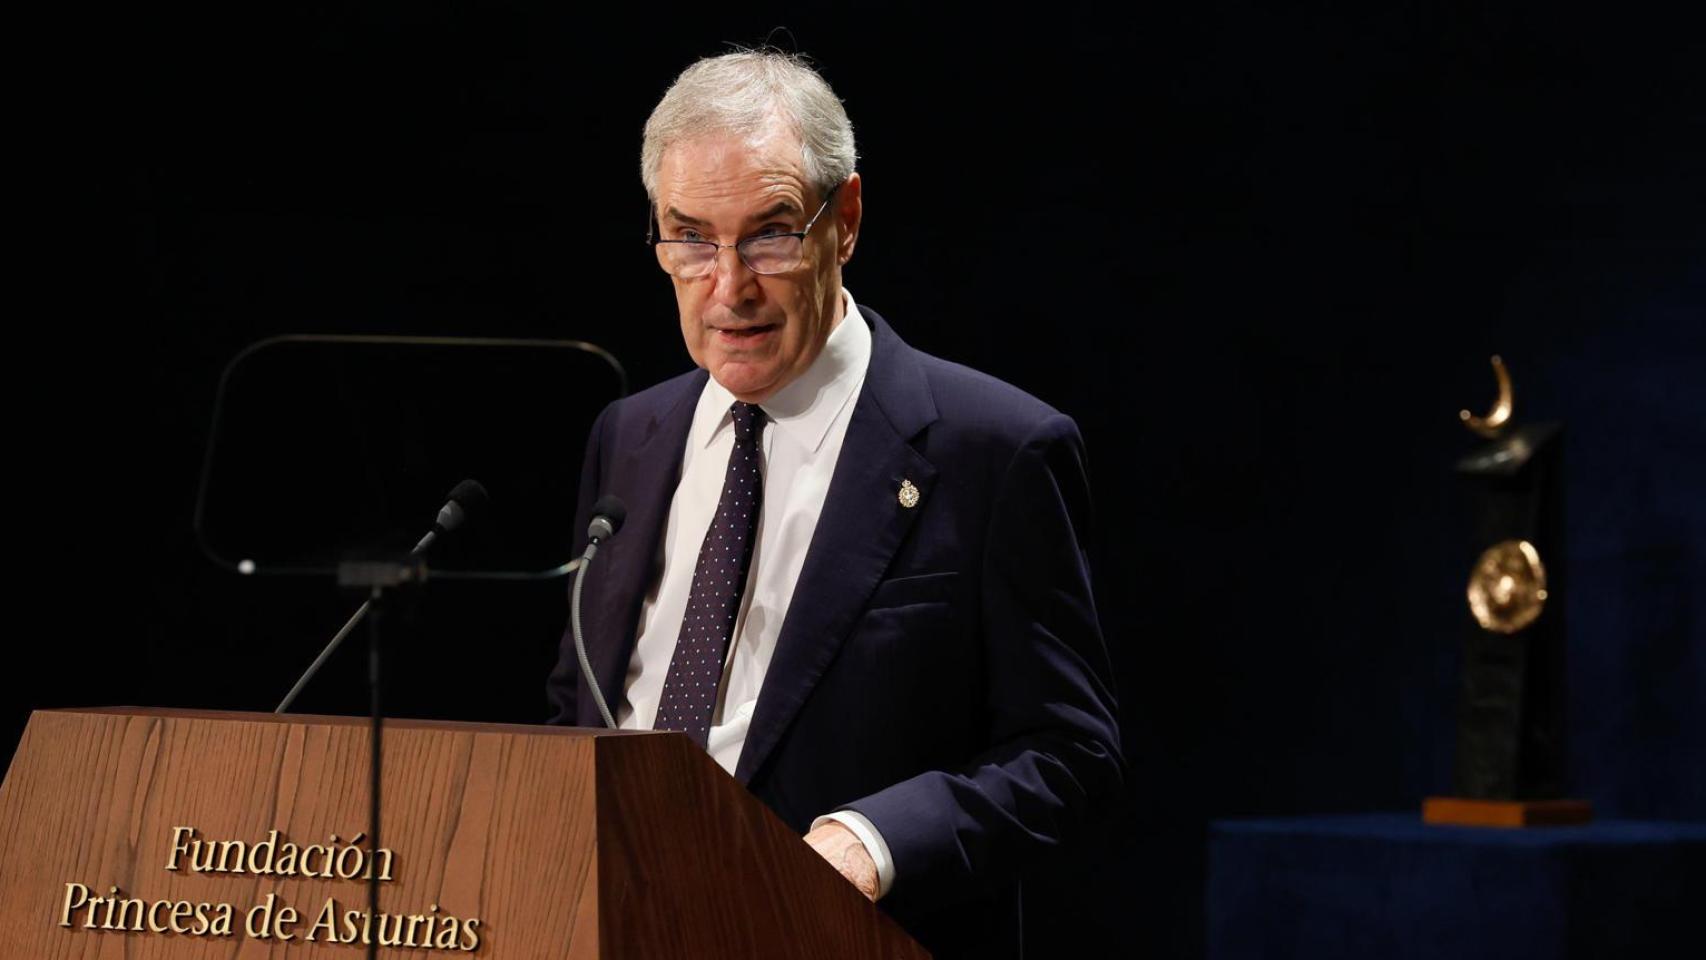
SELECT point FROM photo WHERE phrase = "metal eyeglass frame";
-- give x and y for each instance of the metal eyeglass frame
(653, 240)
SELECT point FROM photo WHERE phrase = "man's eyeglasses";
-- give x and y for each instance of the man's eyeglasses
(765, 254)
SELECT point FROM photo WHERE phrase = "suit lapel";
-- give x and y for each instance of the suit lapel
(645, 477)
(858, 532)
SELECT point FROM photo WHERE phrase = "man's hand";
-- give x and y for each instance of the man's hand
(845, 853)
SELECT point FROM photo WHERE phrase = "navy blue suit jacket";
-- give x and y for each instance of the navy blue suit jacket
(940, 668)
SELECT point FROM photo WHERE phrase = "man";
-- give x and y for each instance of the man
(855, 573)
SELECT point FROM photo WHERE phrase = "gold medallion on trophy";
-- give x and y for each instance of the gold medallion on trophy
(1507, 588)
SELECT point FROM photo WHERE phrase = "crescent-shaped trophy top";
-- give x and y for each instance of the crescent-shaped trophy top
(1490, 425)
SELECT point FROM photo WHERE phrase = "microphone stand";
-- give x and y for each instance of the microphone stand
(376, 602)
(344, 631)
(377, 577)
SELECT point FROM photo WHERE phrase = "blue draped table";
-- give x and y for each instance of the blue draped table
(1391, 887)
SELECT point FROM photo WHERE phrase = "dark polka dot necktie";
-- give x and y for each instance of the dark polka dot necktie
(719, 579)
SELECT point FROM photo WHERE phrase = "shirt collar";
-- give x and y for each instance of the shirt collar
(804, 409)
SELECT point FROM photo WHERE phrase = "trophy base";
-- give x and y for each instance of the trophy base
(1464, 812)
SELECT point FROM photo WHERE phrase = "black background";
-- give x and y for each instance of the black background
(1261, 255)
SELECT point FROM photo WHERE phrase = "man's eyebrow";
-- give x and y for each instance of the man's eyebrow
(679, 217)
(777, 209)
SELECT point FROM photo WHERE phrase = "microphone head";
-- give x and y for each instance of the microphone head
(470, 494)
(607, 516)
(467, 501)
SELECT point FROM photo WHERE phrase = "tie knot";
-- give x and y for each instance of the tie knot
(748, 417)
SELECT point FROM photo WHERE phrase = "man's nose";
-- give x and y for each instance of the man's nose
(732, 281)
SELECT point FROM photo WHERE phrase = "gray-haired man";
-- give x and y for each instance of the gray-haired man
(854, 572)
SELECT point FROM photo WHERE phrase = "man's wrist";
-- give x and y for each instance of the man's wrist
(870, 839)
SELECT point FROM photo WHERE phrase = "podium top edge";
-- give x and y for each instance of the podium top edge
(330, 720)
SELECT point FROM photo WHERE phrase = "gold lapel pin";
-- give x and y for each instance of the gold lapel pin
(908, 494)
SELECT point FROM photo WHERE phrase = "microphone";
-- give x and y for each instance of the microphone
(467, 502)
(607, 516)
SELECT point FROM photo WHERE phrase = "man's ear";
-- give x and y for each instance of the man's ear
(849, 211)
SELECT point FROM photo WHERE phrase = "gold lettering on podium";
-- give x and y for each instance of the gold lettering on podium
(334, 860)
(270, 919)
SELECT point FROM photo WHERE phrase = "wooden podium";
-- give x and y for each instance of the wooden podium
(508, 842)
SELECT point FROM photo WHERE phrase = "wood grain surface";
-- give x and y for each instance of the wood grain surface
(695, 867)
(563, 843)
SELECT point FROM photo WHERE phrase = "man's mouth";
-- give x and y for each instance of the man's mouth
(744, 334)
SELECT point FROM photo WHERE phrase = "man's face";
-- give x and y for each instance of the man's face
(754, 334)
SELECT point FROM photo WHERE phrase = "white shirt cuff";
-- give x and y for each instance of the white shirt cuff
(872, 840)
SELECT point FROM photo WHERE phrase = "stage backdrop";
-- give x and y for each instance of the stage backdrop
(1262, 257)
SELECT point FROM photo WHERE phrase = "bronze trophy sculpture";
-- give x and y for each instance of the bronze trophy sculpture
(1511, 707)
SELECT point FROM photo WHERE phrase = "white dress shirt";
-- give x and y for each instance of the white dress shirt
(806, 422)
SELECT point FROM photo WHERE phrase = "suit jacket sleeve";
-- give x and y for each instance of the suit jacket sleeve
(1052, 759)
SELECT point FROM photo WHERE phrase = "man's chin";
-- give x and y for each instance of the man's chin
(750, 382)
